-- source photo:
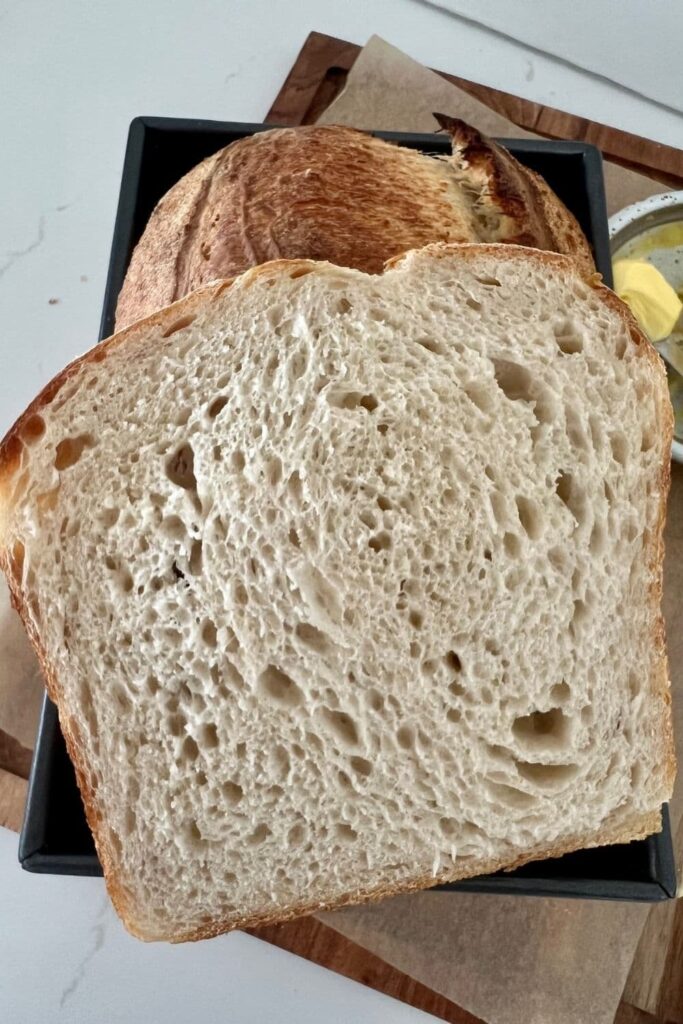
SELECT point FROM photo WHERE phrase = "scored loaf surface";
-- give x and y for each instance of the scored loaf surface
(345, 584)
(327, 192)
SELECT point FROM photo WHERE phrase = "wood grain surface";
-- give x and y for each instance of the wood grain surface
(319, 74)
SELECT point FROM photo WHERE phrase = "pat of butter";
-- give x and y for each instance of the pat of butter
(649, 296)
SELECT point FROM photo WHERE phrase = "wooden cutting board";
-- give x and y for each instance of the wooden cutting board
(319, 74)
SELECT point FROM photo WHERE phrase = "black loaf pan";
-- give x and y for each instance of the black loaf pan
(55, 838)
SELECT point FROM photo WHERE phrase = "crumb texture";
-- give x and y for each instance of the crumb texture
(347, 580)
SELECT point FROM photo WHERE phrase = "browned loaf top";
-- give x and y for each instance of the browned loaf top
(337, 194)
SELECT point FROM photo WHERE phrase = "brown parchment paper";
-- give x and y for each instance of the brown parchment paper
(388, 91)
(508, 960)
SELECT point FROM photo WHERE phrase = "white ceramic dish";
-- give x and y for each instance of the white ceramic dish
(626, 229)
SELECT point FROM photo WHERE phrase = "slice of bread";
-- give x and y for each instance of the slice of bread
(331, 193)
(346, 585)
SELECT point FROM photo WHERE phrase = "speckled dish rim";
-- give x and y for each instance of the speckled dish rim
(620, 222)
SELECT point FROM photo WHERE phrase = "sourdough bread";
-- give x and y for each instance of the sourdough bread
(346, 585)
(337, 194)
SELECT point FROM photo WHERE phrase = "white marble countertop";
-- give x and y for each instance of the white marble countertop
(72, 76)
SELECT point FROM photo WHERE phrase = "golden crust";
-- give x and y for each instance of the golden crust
(161, 325)
(332, 193)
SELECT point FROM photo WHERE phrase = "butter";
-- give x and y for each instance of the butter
(652, 300)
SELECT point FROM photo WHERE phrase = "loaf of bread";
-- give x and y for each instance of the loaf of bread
(337, 194)
(346, 585)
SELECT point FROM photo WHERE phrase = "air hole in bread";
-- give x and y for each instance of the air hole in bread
(487, 280)
(380, 542)
(456, 689)
(152, 685)
(512, 545)
(129, 821)
(543, 730)
(508, 796)
(375, 700)
(180, 468)
(295, 486)
(296, 835)
(416, 618)
(564, 487)
(619, 446)
(232, 792)
(70, 450)
(557, 556)
(274, 471)
(341, 398)
(361, 766)
(567, 336)
(125, 581)
(405, 737)
(560, 692)
(189, 751)
(237, 460)
(448, 826)
(281, 761)
(431, 345)
(514, 380)
(597, 432)
(530, 516)
(580, 616)
(208, 736)
(108, 517)
(279, 687)
(345, 833)
(575, 430)
(312, 637)
(342, 726)
(122, 698)
(598, 539)
(196, 557)
(178, 325)
(648, 437)
(300, 272)
(368, 519)
(473, 303)
(499, 507)
(33, 429)
(344, 306)
(547, 776)
(621, 344)
(217, 406)
(209, 633)
(452, 661)
(635, 683)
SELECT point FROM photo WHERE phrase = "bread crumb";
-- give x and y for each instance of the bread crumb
(54, 302)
